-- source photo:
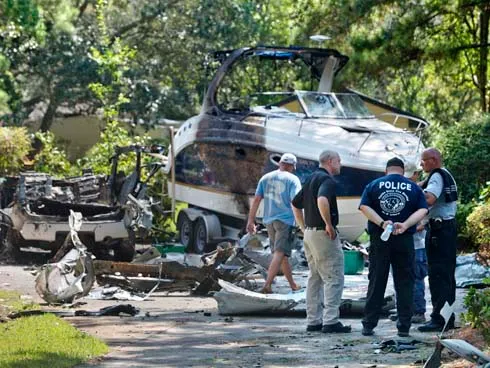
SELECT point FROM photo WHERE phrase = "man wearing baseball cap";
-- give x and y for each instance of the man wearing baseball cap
(277, 188)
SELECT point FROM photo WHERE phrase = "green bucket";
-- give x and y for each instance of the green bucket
(353, 262)
(170, 248)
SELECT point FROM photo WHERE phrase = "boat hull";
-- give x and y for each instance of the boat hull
(223, 177)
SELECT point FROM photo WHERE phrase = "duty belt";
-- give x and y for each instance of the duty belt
(438, 222)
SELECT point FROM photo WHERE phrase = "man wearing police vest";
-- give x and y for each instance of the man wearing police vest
(441, 193)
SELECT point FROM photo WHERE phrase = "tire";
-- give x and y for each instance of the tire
(12, 243)
(186, 231)
(200, 237)
(125, 250)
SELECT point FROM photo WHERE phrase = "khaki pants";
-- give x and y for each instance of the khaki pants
(326, 278)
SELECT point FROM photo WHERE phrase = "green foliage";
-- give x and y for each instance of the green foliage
(98, 157)
(11, 303)
(424, 57)
(478, 223)
(14, 147)
(465, 147)
(46, 341)
(41, 341)
(51, 159)
(477, 303)
(464, 238)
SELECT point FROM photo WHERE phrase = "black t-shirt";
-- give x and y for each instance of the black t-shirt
(319, 184)
(394, 198)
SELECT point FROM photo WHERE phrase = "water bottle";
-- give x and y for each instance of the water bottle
(387, 232)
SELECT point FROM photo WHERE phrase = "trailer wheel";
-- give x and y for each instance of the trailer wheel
(200, 236)
(125, 250)
(185, 229)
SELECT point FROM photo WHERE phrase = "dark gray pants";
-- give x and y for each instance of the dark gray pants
(399, 253)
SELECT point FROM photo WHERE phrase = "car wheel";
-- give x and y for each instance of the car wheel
(12, 243)
(125, 250)
(186, 231)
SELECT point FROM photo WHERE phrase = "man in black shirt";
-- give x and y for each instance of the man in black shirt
(394, 201)
(322, 245)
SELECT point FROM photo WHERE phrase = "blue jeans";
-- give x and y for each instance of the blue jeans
(419, 285)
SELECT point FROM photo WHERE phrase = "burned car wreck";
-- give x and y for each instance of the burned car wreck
(115, 208)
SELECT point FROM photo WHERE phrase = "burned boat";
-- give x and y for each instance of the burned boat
(254, 111)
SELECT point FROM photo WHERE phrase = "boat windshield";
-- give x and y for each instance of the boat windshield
(335, 105)
(311, 104)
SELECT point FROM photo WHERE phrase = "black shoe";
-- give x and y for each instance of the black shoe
(393, 317)
(403, 333)
(432, 326)
(367, 331)
(311, 328)
(336, 328)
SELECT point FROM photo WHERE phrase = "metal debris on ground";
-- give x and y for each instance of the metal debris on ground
(470, 272)
(112, 310)
(234, 300)
(226, 262)
(461, 348)
(114, 293)
(73, 275)
(397, 346)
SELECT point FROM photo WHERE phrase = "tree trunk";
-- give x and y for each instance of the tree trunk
(49, 115)
(482, 78)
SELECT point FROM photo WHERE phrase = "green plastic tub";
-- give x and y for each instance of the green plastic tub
(170, 248)
(353, 262)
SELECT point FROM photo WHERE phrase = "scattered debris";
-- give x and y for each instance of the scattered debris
(461, 348)
(113, 310)
(73, 276)
(470, 272)
(397, 346)
(114, 293)
(234, 300)
(226, 262)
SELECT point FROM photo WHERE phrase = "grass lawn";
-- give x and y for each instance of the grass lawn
(42, 341)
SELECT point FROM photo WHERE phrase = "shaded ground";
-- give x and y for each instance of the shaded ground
(182, 331)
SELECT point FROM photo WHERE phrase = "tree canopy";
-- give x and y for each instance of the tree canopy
(429, 57)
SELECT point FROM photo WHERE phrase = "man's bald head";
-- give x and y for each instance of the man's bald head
(431, 159)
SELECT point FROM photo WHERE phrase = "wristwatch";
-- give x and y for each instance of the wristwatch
(381, 224)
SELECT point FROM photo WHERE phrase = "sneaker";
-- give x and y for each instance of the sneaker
(393, 317)
(366, 331)
(311, 328)
(418, 318)
(336, 328)
(403, 333)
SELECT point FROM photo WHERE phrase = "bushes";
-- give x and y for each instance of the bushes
(98, 157)
(465, 147)
(465, 240)
(478, 226)
(51, 159)
(478, 314)
(14, 147)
